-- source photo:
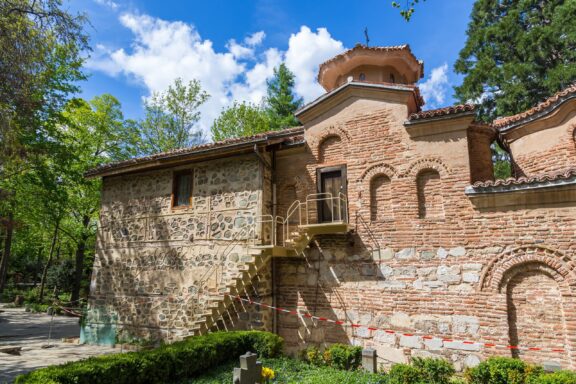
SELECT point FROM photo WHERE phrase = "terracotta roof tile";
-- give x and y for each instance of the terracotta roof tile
(558, 98)
(432, 113)
(537, 179)
(404, 47)
(294, 134)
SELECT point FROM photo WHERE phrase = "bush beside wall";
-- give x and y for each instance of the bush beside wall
(168, 363)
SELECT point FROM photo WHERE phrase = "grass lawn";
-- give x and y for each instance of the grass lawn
(290, 371)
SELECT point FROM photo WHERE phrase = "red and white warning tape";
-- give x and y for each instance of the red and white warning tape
(389, 331)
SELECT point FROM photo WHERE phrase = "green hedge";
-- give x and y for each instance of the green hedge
(505, 370)
(168, 363)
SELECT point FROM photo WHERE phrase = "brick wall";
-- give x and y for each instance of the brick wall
(545, 151)
(445, 273)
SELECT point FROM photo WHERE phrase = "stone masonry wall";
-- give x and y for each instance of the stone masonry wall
(463, 274)
(156, 265)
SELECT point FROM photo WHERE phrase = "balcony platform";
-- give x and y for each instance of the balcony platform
(336, 227)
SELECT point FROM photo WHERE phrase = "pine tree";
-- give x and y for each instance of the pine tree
(281, 102)
(517, 54)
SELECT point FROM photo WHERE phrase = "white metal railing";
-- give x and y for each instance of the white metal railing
(303, 213)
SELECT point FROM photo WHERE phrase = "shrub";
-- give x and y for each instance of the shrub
(165, 364)
(560, 377)
(315, 357)
(344, 357)
(434, 371)
(339, 356)
(405, 374)
(502, 370)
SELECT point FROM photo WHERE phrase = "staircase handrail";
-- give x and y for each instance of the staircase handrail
(229, 247)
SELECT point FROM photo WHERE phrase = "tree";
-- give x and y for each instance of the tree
(41, 54)
(41, 49)
(239, 120)
(94, 133)
(171, 118)
(517, 54)
(407, 11)
(280, 101)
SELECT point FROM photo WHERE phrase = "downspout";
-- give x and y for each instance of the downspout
(273, 261)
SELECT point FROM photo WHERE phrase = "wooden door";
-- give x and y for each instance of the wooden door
(331, 183)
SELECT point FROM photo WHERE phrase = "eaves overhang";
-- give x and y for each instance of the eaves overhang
(200, 153)
(342, 90)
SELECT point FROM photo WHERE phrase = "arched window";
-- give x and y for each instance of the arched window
(330, 149)
(380, 198)
(430, 200)
(362, 77)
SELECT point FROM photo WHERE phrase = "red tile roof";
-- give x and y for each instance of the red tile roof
(537, 179)
(294, 135)
(362, 47)
(551, 102)
(433, 113)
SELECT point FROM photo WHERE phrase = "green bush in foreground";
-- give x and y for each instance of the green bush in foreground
(505, 370)
(292, 371)
(338, 356)
(165, 364)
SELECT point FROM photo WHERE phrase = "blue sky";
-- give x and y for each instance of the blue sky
(231, 46)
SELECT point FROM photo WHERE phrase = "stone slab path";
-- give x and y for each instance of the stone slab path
(30, 331)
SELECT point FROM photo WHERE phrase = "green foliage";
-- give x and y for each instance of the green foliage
(280, 101)
(502, 162)
(315, 357)
(293, 372)
(404, 374)
(41, 53)
(422, 371)
(502, 370)
(61, 275)
(170, 119)
(517, 54)
(407, 11)
(560, 377)
(240, 120)
(434, 371)
(345, 357)
(167, 363)
(338, 356)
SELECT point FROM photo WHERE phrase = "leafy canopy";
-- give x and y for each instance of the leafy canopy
(240, 120)
(171, 119)
(518, 52)
(407, 11)
(41, 54)
(277, 112)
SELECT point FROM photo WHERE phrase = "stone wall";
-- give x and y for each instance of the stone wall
(156, 266)
(449, 274)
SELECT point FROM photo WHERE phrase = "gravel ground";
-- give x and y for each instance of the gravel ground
(30, 331)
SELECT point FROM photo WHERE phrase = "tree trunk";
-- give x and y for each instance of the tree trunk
(80, 251)
(37, 267)
(6, 253)
(45, 271)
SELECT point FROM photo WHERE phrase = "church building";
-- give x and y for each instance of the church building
(374, 223)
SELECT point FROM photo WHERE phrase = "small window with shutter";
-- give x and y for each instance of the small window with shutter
(182, 189)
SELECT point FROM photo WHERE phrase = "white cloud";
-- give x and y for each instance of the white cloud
(108, 3)
(435, 87)
(306, 51)
(164, 50)
(255, 39)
